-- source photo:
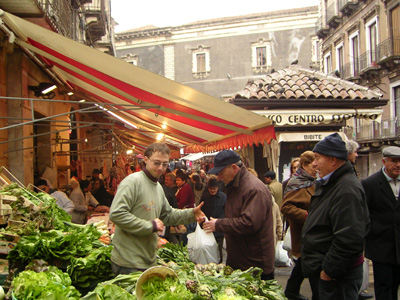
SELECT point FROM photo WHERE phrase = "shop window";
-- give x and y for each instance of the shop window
(201, 62)
(261, 56)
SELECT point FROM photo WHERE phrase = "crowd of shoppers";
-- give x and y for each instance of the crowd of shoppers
(333, 216)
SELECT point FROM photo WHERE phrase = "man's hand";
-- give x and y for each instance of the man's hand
(209, 226)
(160, 226)
(198, 214)
(325, 276)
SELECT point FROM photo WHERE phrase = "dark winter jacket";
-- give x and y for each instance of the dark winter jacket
(248, 224)
(214, 206)
(336, 225)
(383, 240)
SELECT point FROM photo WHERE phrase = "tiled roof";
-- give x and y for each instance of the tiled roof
(295, 82)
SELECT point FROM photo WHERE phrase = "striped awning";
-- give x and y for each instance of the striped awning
(156, 103)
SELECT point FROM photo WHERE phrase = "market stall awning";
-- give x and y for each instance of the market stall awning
(196, 156)
(155, 102)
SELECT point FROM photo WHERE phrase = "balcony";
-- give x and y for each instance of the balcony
(332, 15)
(351, 70)
(347, 7)
(388, 129)
(57, 14)
(96, 20)
(369, 63)
(389, 50)
(322, 29)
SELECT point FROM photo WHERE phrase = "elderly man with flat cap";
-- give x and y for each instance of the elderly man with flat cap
(334, 231)
(383, 241)
(247, 224)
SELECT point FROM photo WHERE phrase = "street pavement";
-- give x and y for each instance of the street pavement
(282, 274)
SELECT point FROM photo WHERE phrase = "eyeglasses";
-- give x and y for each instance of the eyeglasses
(158, 163)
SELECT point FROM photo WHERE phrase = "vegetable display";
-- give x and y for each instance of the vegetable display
(46, 236)
(94, 267)
(49, 284)
(55, 244)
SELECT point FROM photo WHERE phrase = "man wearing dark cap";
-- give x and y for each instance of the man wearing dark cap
(336, 225)
(247, 225)
(275, 186)
(214, 207)
(382, 247)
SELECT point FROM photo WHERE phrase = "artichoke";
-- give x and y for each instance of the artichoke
(230, 291)
(192, 285)
(228, 270)
(253, 288)
(204, 292)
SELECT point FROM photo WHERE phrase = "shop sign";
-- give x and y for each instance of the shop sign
(304, 136)
(317, 117)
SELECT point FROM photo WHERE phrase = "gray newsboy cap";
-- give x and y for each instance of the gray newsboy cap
(391, 151)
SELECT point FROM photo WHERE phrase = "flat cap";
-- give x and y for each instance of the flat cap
(391, 151)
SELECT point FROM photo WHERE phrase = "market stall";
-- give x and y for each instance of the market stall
(48, 257)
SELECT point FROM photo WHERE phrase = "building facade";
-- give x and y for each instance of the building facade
(360, 42)
(218, 56)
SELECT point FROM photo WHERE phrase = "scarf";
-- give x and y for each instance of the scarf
(300, 179)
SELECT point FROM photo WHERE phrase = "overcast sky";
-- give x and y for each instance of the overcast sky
(131, 14)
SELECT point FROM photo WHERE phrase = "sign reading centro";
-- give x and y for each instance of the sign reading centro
(318, 117)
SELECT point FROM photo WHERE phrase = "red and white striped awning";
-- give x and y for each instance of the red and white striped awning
(190, 116)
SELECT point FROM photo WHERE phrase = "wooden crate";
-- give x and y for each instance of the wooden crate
(6, 178)
(7, 199)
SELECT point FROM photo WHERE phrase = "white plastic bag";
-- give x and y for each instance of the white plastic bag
(281, 256)
(287, 241)
(202, 247)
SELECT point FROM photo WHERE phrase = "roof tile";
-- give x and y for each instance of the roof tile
(296, 82)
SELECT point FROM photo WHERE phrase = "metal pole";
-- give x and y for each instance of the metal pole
(40, 134)
(42, 119)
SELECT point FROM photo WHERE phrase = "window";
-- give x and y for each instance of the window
(261, 56)
(201, 61)
(130, 58)
(396, 103)
(340, 59)
(393, 124)
(315, 58)
(354, 54)
(372, 42)
(328, 63)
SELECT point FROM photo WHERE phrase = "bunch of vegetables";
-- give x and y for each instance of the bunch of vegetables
(51, 283)
(94, 267)
(168, 288)
(121, 287)
(56, 244)
(48, 216)
(175, 253)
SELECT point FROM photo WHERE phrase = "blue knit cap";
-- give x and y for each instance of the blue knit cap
(332, 145)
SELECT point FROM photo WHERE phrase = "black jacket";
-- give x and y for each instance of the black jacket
(383, 240)
(336, 225)
(214, 206)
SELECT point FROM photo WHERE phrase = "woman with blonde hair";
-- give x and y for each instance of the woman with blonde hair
(294, 164)
(296, 202)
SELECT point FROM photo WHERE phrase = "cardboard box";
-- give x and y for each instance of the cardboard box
(6, 246)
